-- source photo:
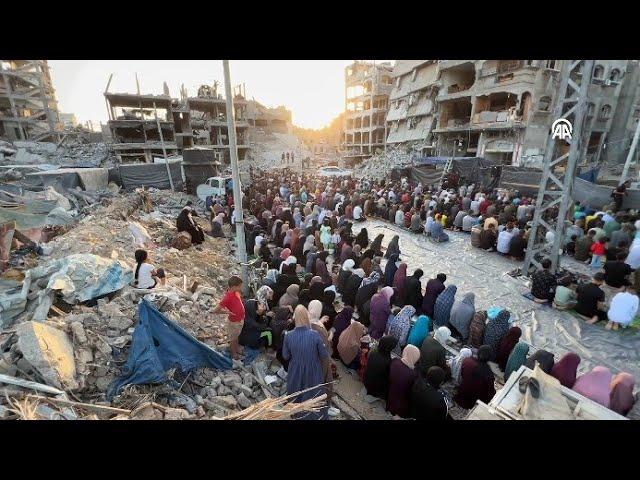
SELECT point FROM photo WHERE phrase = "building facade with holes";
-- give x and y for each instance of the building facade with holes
(502, 109)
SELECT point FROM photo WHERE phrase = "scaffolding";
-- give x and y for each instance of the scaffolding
(559, 168)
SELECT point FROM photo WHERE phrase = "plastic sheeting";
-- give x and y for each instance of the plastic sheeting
(159, 345)
(485, 274)
(83, 276)
(151, 175)
(526, 180)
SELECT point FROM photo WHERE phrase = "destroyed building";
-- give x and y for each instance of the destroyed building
(28, 105)
(412, 106)
(270, 120)
(502, 110)
(367, 89)
(626, 116)
(208, 121)
(144, 126)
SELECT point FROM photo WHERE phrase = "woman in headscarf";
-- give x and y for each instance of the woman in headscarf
(316, 289)
(349, 344)
(351, 288)
(400, 284)
(437, 232)
(433, 353)
(433, 289)
(443, 305)
(566, 369)
(461, 315)
(390, 270)
(341, 322)
(544, 358)
(496, 330)
(376, 375)
(328, 310)
(366, 265)
(376, 245)
(427, 400)
(393, 248)
(276, 233)
(264, 252)
(367, 289)
(477, 328)
(345, 273)
(476, 380)
(346, 252)
(321, 268)
(255, 332)
(216, 226)
(308, 243)
(621, 397)
(288, 239)
(379, 311)
(286, 278)
(402, 374)
(306, 353)
(357, 254)
(290, 298)
(419, 331)
(279, 324)
(186, 223)
(317, 323)
(506, 345)
(284, 255)
(362, 238)
(400, 325)
(264, 295)
(516, 359)
(595, 385)
(456, 363)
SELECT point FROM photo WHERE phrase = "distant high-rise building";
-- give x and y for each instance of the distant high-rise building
(367, 88)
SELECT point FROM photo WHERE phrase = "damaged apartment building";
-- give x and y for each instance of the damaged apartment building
(28, 105)
(144, 126)
(496, 109)
(367, 88)
(412, 106)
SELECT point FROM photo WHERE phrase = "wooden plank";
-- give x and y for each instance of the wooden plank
(86, 406)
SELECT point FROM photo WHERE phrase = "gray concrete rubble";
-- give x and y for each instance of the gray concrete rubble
(74, 347)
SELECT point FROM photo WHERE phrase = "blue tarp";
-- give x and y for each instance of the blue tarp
(591, 175)
(159, 345)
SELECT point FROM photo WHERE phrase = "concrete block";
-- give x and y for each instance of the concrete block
(50, 352)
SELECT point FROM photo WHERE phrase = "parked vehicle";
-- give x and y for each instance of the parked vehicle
(214, 186)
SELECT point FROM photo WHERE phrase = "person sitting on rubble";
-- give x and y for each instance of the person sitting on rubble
(185, 223)
(255, 333)
(146, 275)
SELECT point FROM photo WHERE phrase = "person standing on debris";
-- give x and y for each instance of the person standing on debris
(307, 354)
(146, 275)
(231, 304)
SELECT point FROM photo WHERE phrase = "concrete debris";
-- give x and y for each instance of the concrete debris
(53, 300)
(69, 153)
(50, 351)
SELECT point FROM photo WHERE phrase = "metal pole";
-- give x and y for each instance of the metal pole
(241, 249)
(632, 150)
(164, 151)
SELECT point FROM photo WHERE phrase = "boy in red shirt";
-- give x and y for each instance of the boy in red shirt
(232, 305)
(599, 252)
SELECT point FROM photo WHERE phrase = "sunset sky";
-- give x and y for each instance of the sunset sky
(312, 89)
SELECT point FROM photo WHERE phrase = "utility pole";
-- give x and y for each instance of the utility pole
(632, 151)
(164, 150)
(241, 249)
(559, 168)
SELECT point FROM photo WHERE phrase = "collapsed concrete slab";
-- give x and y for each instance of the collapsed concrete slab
(50, 352)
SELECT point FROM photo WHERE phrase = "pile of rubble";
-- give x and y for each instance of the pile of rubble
(69, 337)
(69, 153)
(381, 164)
